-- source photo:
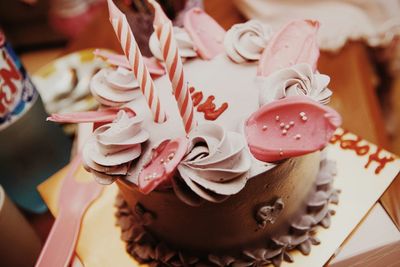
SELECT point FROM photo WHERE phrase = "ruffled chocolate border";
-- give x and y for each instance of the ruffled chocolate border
(301, 235)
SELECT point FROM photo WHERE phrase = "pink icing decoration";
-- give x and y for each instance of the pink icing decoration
(206, 33)
(102, 116)
(295, 43)
(290, 127)
(162, 165)
(152, 64)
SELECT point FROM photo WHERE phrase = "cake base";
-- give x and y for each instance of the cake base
(300, 235)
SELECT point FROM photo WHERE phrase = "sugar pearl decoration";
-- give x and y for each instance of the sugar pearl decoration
(277, 118)
(297, 136)
(265, 127)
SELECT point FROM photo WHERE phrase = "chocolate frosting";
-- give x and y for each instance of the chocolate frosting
(268, 213)
(300, 234)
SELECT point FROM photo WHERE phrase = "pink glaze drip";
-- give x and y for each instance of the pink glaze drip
(99, 116)
(295, 43)
(162, 165)
(206, 33)
(154, 67)
(290, 127)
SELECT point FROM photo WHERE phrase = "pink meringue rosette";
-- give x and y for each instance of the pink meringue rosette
(114, 87)
(295, 80)
(113, 147)
(215, 167)
(246, 41)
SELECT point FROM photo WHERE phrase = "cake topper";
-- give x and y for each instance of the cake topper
(290, 127)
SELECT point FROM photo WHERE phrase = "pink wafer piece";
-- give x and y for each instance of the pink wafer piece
(99, 116)
(165, 159)
(290, 127)
(206, 33)
(295, 43)
(152, 64)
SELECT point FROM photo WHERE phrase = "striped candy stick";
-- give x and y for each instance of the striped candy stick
(135, 58)
(164, 31)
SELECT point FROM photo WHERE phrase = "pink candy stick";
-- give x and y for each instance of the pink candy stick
(206, 33)
(136, 61)
(105, 115)
(290, 127)
(173, 62)
(152, 64)
(295, 43)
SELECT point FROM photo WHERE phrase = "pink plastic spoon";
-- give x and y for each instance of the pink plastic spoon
(74, 200)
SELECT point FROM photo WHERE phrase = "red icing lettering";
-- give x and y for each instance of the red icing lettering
(361, 150)
(197, 97)
(381, 161)
(208, 107)
(8, 88)
(350, 144)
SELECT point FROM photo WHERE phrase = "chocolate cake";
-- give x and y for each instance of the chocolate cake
(250, 181)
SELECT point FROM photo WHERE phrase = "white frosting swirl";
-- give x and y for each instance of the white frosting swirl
(114, 87)
(246, 41)
(216, 165)
(112, 148)
(184, 42)
(295, 80)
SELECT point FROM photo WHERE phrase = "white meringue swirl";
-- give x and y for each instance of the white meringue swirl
(216, 165)
(112, 148)
(184, 42)
(246, 41)
(295, 80)
(114, 87)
